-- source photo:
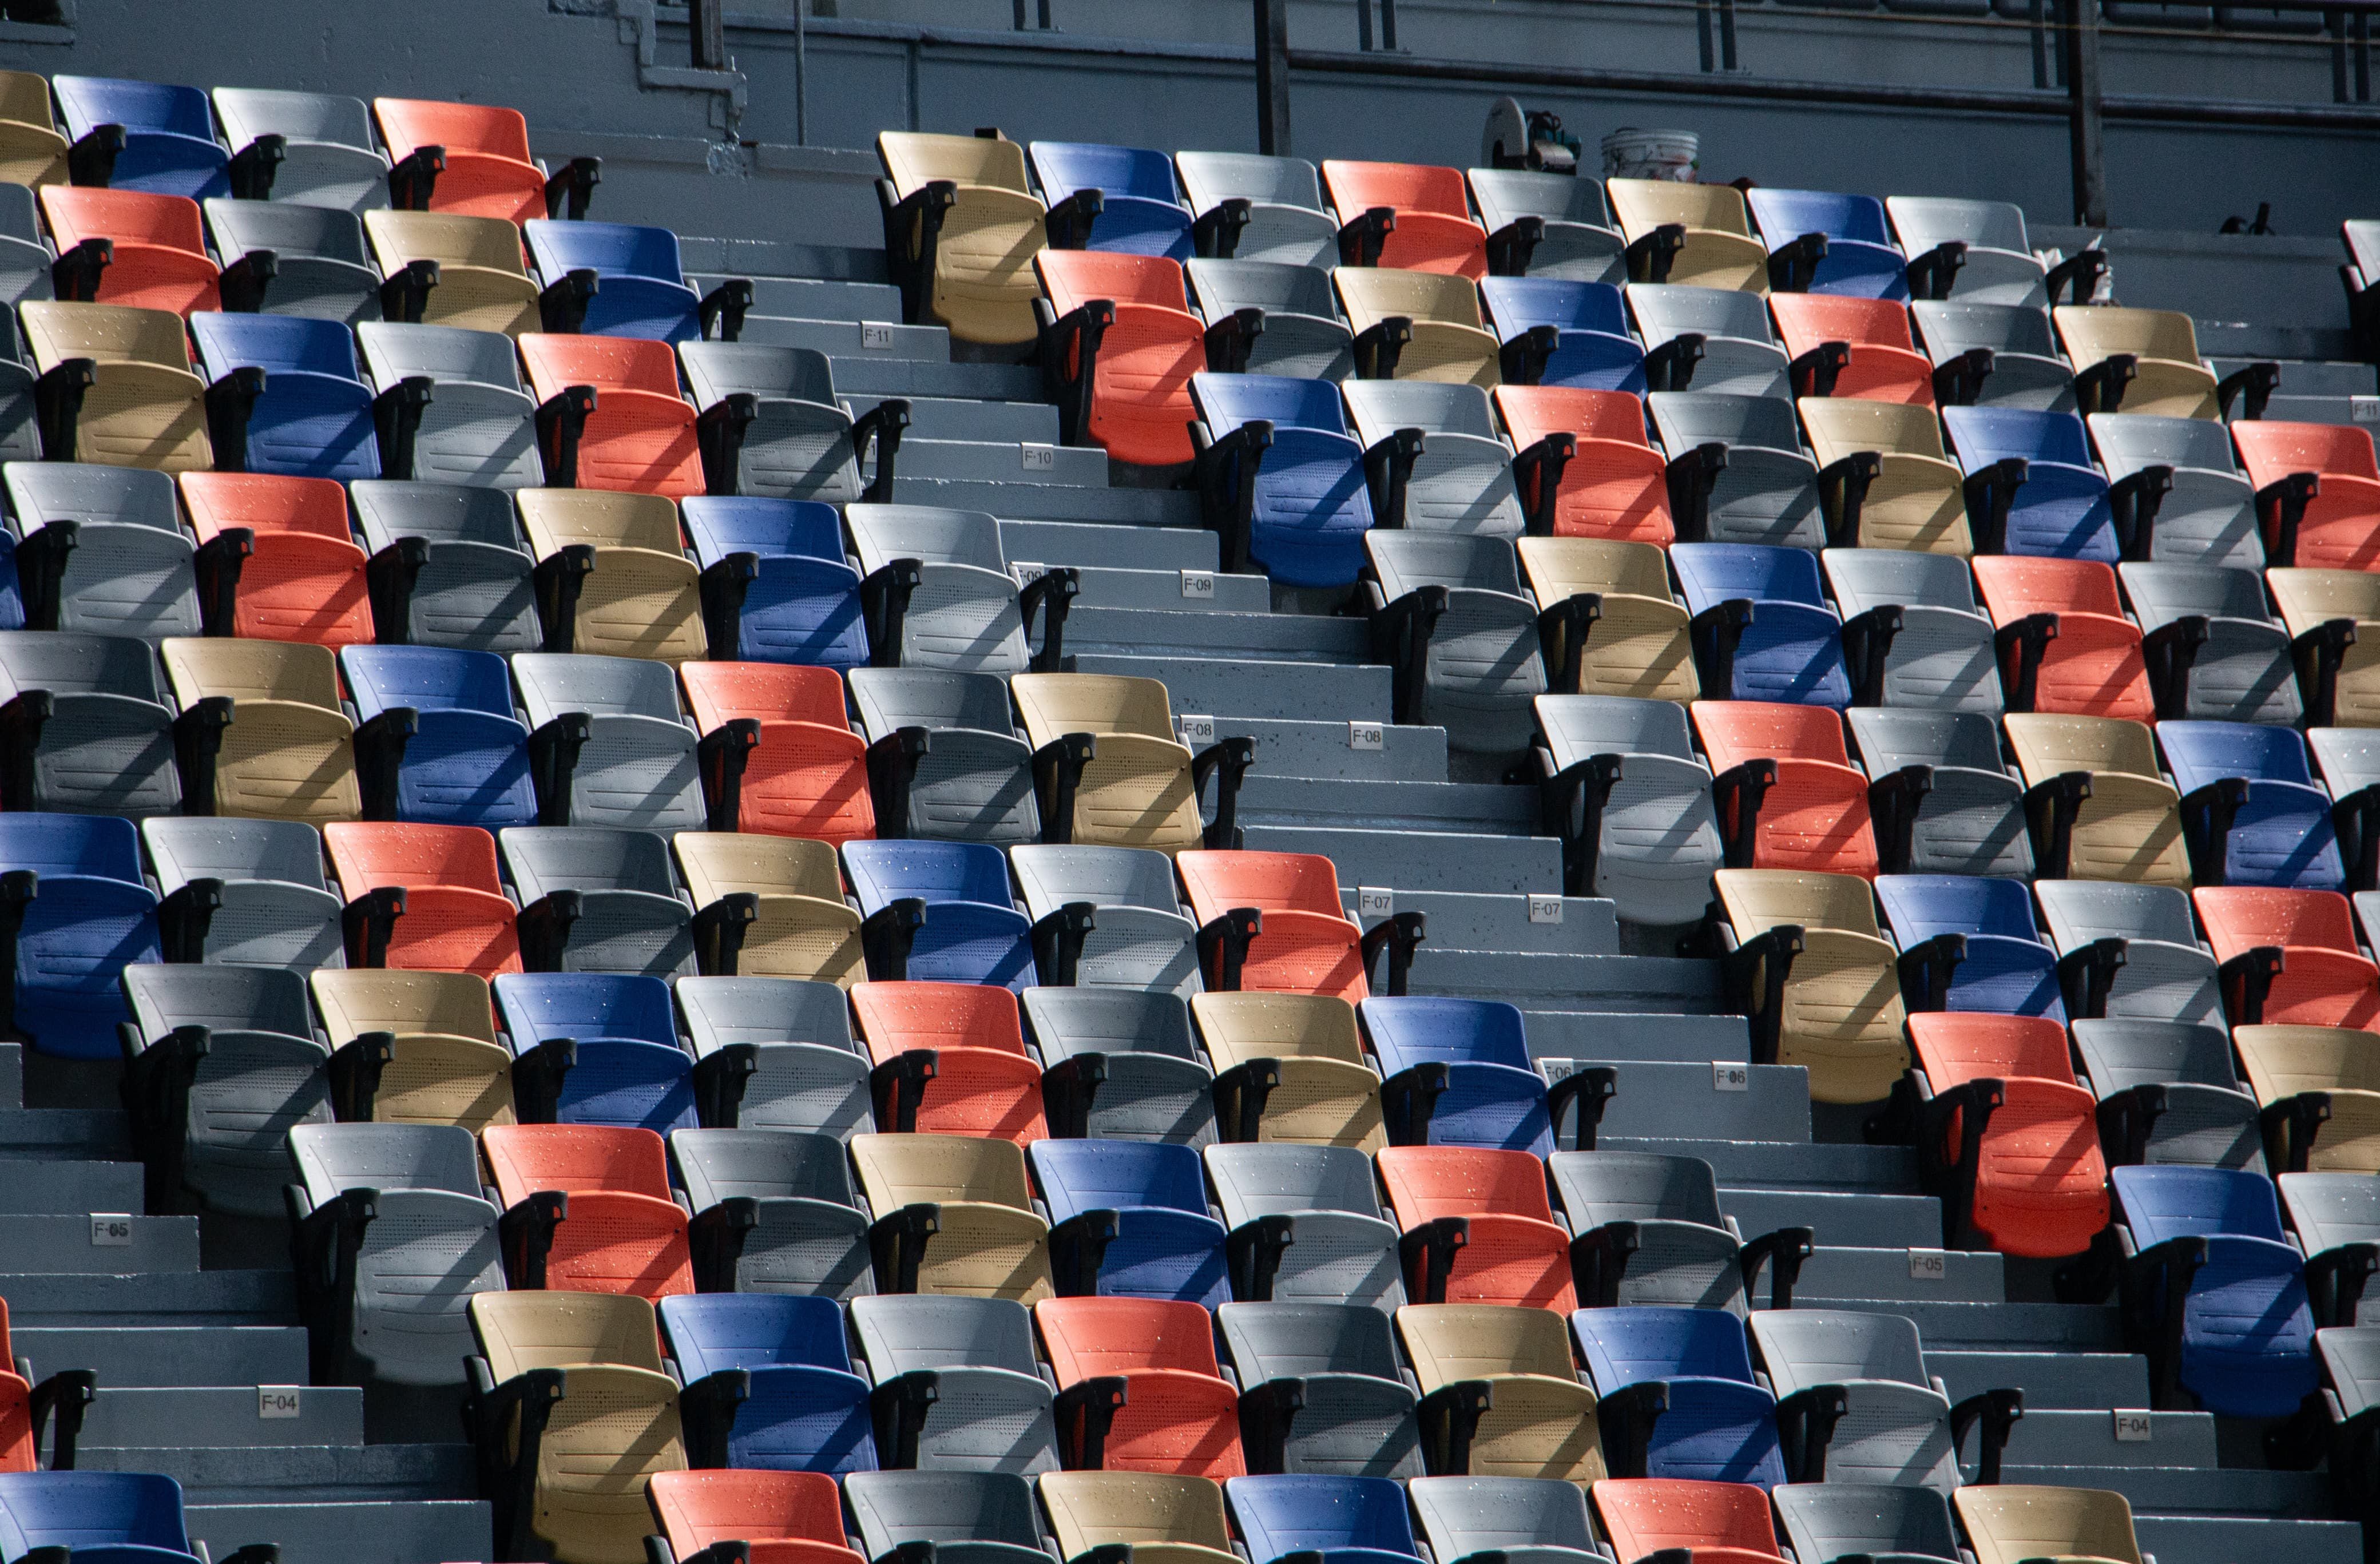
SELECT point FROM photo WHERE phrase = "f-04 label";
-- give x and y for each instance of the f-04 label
(280, 1401)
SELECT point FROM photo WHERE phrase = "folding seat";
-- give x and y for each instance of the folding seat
(135, 405)
(1128, 1218)
(2213, 1293)
(262, 736)
(961, 229)
(1621, 785)
(445, 567)
(953, 1216)
(785, 1058)
(1162, 1518)
(452, 410)
(966, 1517)
(1119, 345)
(1940, 796)
(1281, 479)
(2095, 801)
(773, 1212)
(1442, 336)
(1457, 1073)
(1267, 317)
(769, 1385)
(2206, 1120)
(1811, 967)
(2289, 957)
(452, 269)
(1448, 616)
(1696, 235)
(1678, 1395)
(2317, 492)
(138, 250)
(2252, 814)
(2011, 1521)
(1575, 239)
(1609, 624)
(957, 1386)
(89, 730)
(25, 255)
(1290, 1067)
(945, 758)
(163, 998)
(1884, 481)
(1831, 1520)
(414, 1048)
(2082, 659)
(1109, 773)
(78, 911)
(2180, 496)
(128, 1514)
(303, 149)
(1970, 944)
(296, 575)
(776, 1517)
(447, 874)
(637, 287)
(243, 892)
(1974, 251)
(1737, 471)
(2130, 952)
(599, 899)
(794, 923)
(473, 158)
(1891, 1423)
(1763, 630)
(612, 578)
(1914, 638)
(1254, 208)
(631, 1236)
(1611, 484)
(611, 746)
(1136, 210)
(1121, 1064)
(1457, 476)
(2325, 612)
(1786, 794)
(1321, 1392)
(2139, 360)
(167, 142)
(1140, 1388)
(777, 756)
(2031, 487)
(2351, 766)
(1405, 216)
(2322, 1110)
(1108, 916)
(1823, 243)
(950, 1060)
(1477, 1226)
(937, 592)
(31, 151)
(570, 1482)
(794, 439)
(2220, 655)
(1994, 355)
(1852, 348)
(1307, 1228)
(1562, 333)
(596, 1048)
(2331, 1215)
(938, 912)
(439, 743)
(1310, 947)
(102, 550)
(1500, 1396)
(1709, 339)
(610, 415)
(1338, 1520)
(774, 585)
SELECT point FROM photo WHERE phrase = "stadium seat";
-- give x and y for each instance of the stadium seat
(953, 1216)
(1252, 208)
(325, 159)
(961, 229)
(296, 575)
(2318, 1087)
(1737, 471)
(609, 745)
(2253, 813)
(1140, 1388)
(1721, 1522)
(1456, 477)
(138, 251)
(1974, 251)
(102, 550)
(2323, 612)
(1762, 626)
(1584, 468)
(2219, 654)
(774, 585)
(1128, 1218)
(474, 159)
(1709, 339)
(1162, 1518)
(1477, 1226)
(1407, 216)
(1619, 783)
(773, 1212)
(65, 943)
(1306, 1229)
(1830, 1520)
(958, 1389)
(1696, 235)
(945, 758)
(266, 903)
(1280, 477)
(444, 878)
(1119, 345)
(936, 591)
(785, 1058)
(1895, 1426)
(1575, 239)
(2332, 1215)
(1417, 325)
(1108, 916)
(634, 432)
(1337, 1519)
(31, 151)
(769, 906)
(2065, 644)
(596, 1048)
(2031, 487)
(769, 1385)
(1267, 317)
(2350, 766)
(1994, 355)
(2130, 952)
(1109, 773)
(1458, 1072)
(630, 918)
(2207, 1121)
(968, 1517)
(438, 741)
(2289, 957)
(167, 142)
(1121, 1064)
(1607, 624)
(1563, 332)
(637, 287)
(1852, 347)
(1854, 254)
(2137, 360)
(950, 1060)
(938, 912)
(777, 754)
(1940, 798)
(1785, 790)
(776, 1517)
(440, 1064)
(1813, 970)
(2198, 510)
(445, 567)
(1320, 1390)
(2011, 1521)
(1649, 1230)
(322, 269)
(87, 727)
(1447, 617)
(137, 405)
(452, 268)
(1969, 945)
(1915, 638)
(1299, 939)
(1500, 1396)
(262, 736)
(1678, 1394)
(1290, 1067)
(792, 439)
(1136, 210)
(2096, 802)
(616, 1179)
(612, 578)
(1883, 477)
(452, 410)
(2317, 492)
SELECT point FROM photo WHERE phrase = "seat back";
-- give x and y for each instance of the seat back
(1064, 167)
(915, 159)
(1273, 286)
(450, 238)
(1462, 1515)
(2010, 1522)
(539, 1005)
(2272, 451)
(921, 1332)
(1293, 1341)
(1735, 730)
(2128, 441)
(43, 491)
(187, 849)
(719, 863)
(426, 678)
(717, 371)
(719, 1164)
(2120, 1054)
(1869, 578)
(2092, 332)
(1716, 572)
(556, 518)
(522, 1331)
(275, 344)
(1309, 1511)
(1839, 426)
(1099, 1509)
(1830, 1519)
(893, 1507)
(1401, 186)
(719, 693)
(89, 101)
(1449, 1342)
(1664, 311)
(78, 212)
(228, 998)
(896, 1017)
(933, 534)
(695, 1510)
(529, 1158)
(723, 525)
(246, 670)
(1650, 1515)
(1579, 725)
(607, 363)
(1957, 1047)
(1923, 223)
(409, 123)
(1758, 899)
(67, 662)
(884, 872)
(2329, 1209)
(1807, 320)
(51, 846)
(1238, 1026)
(1688, 419)
(333, 1158)
(1372, 294)
(1787, 214)
(2281, 1062)
(1383, 407)
(1561, 568)
(1091, 1337)
(1829, 1346)
(551, 683)
(897, 1171)
(610, 249)
(2079, 911)
(1210, 179)
(447, 355)
(1416, 1029)
(438, 513)
(1216, 882)
(2164, 592)
(548, 858)
(452, 1003)
(2239, 918)
(1225, 401)
(1626, 1345)
(92, 1511)
(1056, 704)
(2014, 587)
(1923, 905)
(1643, 205)
(1635, 1186)
(1532, 412)
(2169, 1202)
(1090, 1175)
(1985, 435)
(104, 333)
(1074, 277)
(1051, 877)
(249, 111)
(1254, 1181)
(1425, 1182)
(365, 856)
(265, 503)
(719, 1331)
(891, 698)
(2046, 744)
(1518, 303)
(2203, 753)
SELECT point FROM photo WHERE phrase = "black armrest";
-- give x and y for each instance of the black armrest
(721, 755)
(2086, 975)
(198, 741)
(1926, 968)
(64, 1397)
(2081, 271)
(1228, 761)
(22, 719)
(1070, 359)
(2126, 1120)
(2247, 981)
(2100, 388)
(1223, 947)
(1378, 347)
(380, 745)
(1991, 494)
(1815, 373)
(1400, 637)
(1232, 339)
(719, 931)
(1563, 629)
(2135, 499)
(1691, 475)
(1792, 267)
(715, 1238)
(2020, 646)
(892, 768)
(1751, 979)
(1569, 806)
(1598, 1260)
(405, 295)
(912, 227)
(1783, 1251)
(562, 304)
(570, 188)
(561, 421)
(1510, 246)
(1398, 935)
(1388, 471)
(2317, 655)
(544, 927)
(1537, 475)
(413, 179)
(1426, 1253)
(2281, 507)
(1409, 1101)
(57, 409)
(722, 590)
(706, 1408)
(553, 760)
(719, 1079)
(1086, 1410)
(156, 1094)
(2336, 1279)
(1057, 772)
(1894, 800)
(1998, 1411)
(2156, 1289)
(2207, 815)
(42, 571)
(396, 420)
(1267, 1409)
(1627, 1416)
(230, 401)
(1842, 493)
(1959, 380)
(538, 1076)
(1932, 274)
(1670, 366)
(1362, 237)
(1225, 473)
(1240, 1093)
(884, 608)
(723, 308)
(1052, 594)
(896, 1088)
(1070, 1088)
(2255, 384)
(246, 280)
(883, 425)
(354, 1073)
(1069, 221)
(2355, 817)
(1523, 360)
(1650, 257)
(1586, 1091)
(219, 564)
(1078, 1245)
(2171, 651)
(524, 1235)
(1868, 648)
(1806, 1426)
(2291, 1126)
(1216, 233)
(1715, 634)
(1736, 793)
(185, 917)
(17, 888)
(91, 159)
(1973, 1103)
(887, 934)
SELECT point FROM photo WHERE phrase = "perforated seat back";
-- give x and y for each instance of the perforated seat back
(521, 1331)
(1597, 1187)
(333, 1158)
(2011, 1522)
(1255, 1181)
(229, 999)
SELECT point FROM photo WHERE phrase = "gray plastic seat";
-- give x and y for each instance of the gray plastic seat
(807, 1233)
(1321, 1200)
(429, 1247)
(799, 445)
(163, 995)
(2209, 514)
(637, 767)
(2330, 1212)
(2165, 976)
(1476, 670)
(1999, 266)
(1898, 1426)
(972, 778)
(1686, 1249)
(1656, 841)
(967, 1517)
(123, 564)
(1827, 1520)
(271, 905)
(480, 426)
(1740, 356)
(323, 271)
(211, 1117)
(24, 257)
(106, 746)
(1287, 221)
(2350, 1364)
(631, 917)
(1320, 1390)
(2347, 759)
(2243, 671)
(1581, 243)
(467, 582)
(963, 613)
(1129, 1055)
(2207, 1121)
(1460, 479)
(1769, 491)
(2026, 369)
(1522, 1520)
(1303, 337)
(805, 1073)
(1136, 935)
(328, 159)
(1969, 818)
(960, 1387)
(1943, 657)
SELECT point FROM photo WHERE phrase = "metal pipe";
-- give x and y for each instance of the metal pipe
(2087, 133)
(709, 29)
(1272, 76)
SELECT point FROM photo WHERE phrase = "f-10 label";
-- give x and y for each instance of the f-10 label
(1039, 458)
(1728, 1076)
(1545, 909)
(279, 1401)
(1197, 730)
(1199, 584)
(111, 1229)
(1929, 1265)
(2132, 1428)
(1374, 901)
(1367, 735)
(875, 334)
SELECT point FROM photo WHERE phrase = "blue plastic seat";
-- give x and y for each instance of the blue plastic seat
(1592, 345)
(2046, 498)
(1296, 506)
(1719, 1424)
(640, 288)
(462, 759)
(1970, 944)
(804, 1410)
(312, 418)
(1328, 1520)
(1128, 1218)
(800, 600)
(86, 913)
(169, 134)
(104, 1517)
(1457, 1073)
(1861, 259)
(1141, 212)
(2242, 1341)
(967, 930)
(2277, 831)
(622, 1066)
(1762, 629)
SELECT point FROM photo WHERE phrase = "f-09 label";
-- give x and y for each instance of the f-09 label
(1199, 584)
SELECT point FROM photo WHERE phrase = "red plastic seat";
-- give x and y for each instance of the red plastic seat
(488, 171)
(2073, 652)
(1306, 945)
(1139, 1387)
(619, 1230)
(2317, 493)
(1883, 363)
(780, 1517)
(302, 577)
(158, 245)
(951, 1061)
(434, 900)
(1787, 793)
(1614, 485)
(2289, 957)
(2034, 1181)
(65, 1395)
(1478, 1228)
(805, 772)
(1434, 231)
(1719, 1522)
(639, 434)
(1126, 388)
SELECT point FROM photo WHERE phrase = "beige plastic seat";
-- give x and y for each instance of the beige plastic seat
(2167, 376)
(2310, 598)
(1719, 253)
(31, 151)
(2012, 1522)
(145, 406)
(483, 284)
(1841, 1015)
(444, 1066)
(982, 285)
(284, 751)
(799, 926)
(1639, 643)
(2340, 1064)
(1534, 1420)
(2130, 829)
(1303, 1063)
(1163, 1520)
(966, 1221)
(638, 595)
(1135, 790)
(1917, 499)
(1449, 342)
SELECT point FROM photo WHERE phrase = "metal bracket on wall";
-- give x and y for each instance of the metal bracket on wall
(638, 27)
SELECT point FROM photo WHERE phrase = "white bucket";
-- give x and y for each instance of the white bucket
(1630, 154)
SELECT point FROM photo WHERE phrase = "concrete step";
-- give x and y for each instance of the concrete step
(1885, 1169)
(1853, 1219)
(2051, 1381)
(813, 298)
(30, 1187)
(2087, 1327)
(1002, 461)
(1250, 687)
(2205, 1539)
(1177, 632)
(1289, 749)
(1891, 1278)
(186, 1298)
(1424, 860)
(884, 341)
(1656, 1101)
(348, 1534)
(2086, 1437)
(2229, 1494)
(2235, 340)
(1572, 926)
(1664, 985)
(2359, 411)
(131, 1357)
(1180, 594)
(217, 1417)
(779, 258)
(12, 1075)
(874, 377)
(1119, 548)
(114, 1245)
(1048, 501)
(2309, 376)
(64, 1133)
(300, 1473)
(959, 418)
(1609, 1039)
(1484, 808)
